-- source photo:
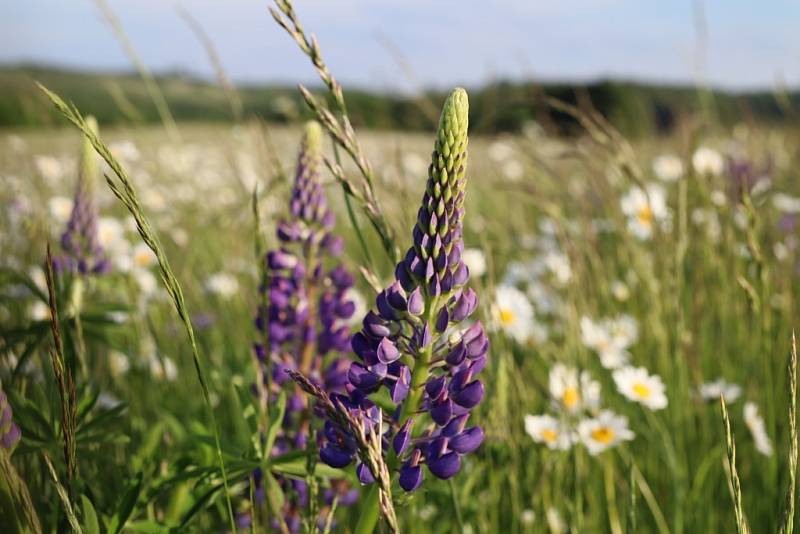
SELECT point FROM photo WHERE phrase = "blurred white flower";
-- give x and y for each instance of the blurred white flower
(638, 385)
(554, 521)
(707, 161)
(718, 198)
(162, 368)
(111, 235)
(414, 164)
(610, 338)
(512, 313)
(757, 428)
(500, 151)
(558, 264)
(668, 167)
(527, 517)
(60, 209)
(513, 170)
(548, 430)
(146, 281)
(620, 291)
(711, 391)
(475, 261)
(118, 363)
(49, 168)
(222, 284)
(645, 209)
(39, 311)
(38, 277)
(786, 203)
(143, 257)
(125, 151)
(573, 390)
(355, 296)
(604, 431)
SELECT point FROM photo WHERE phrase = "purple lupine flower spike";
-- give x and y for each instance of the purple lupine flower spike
(83, 252)
(417, 342)
(9, 431)
(308, 308)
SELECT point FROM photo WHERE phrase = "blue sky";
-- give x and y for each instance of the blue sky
(445, 42)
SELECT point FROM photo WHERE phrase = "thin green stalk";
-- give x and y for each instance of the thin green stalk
(456, 505)
(150, 84)
(788, 518)
(733, 474)
(123, 189)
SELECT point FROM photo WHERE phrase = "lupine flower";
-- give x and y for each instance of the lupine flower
(413, 343)
(604, 431)
(712, 391)
(755, 423)
(550, 431)
(308, 306)
(638, 385)
(82, 250)
(9, 431)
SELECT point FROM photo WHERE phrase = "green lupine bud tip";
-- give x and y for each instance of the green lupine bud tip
(455, 117)
(312, 137)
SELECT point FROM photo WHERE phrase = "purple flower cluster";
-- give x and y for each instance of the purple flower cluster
(83, 252)
(305, 314)
(418, 343)
(9, 431)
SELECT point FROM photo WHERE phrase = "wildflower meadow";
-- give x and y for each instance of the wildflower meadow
(317, 327)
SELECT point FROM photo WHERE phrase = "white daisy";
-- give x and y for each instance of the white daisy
(573, 390)
(475, 260)
(620, 291)
(60, 209)
(143, 257)
(645, 208)
(757, 428)
(786, 203)
(512, 312)
(222, 284)
(118, 363)
(163, 369)
(548, 430)
(712, 391)
(668, 167)
(610, 339)
(604, 431)
(49, 168)
(638, 385)
(707, 161)
(558, 264)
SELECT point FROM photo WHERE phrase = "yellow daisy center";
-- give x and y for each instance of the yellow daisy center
(571, 398)
(549, 435)
(507, 316)
(642, 390)
(645, 215)
(603, 434)
(142, 259)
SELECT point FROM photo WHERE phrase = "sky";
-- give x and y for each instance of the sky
(403, 45)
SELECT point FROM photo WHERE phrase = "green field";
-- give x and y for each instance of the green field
(708, 278)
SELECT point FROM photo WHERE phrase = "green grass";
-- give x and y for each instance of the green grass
(705, 309)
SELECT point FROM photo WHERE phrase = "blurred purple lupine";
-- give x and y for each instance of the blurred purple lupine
(9, 431)
(418, 343)
(83, 252)
(306, 311)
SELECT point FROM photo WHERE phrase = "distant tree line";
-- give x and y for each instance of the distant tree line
(636, 109)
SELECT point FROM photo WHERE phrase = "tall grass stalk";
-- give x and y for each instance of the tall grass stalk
(231, 94)
(123, 189)
(733, 474)
(156, 95)
(65, 382)
(62, 494)
(340, 128)
(787, 526)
